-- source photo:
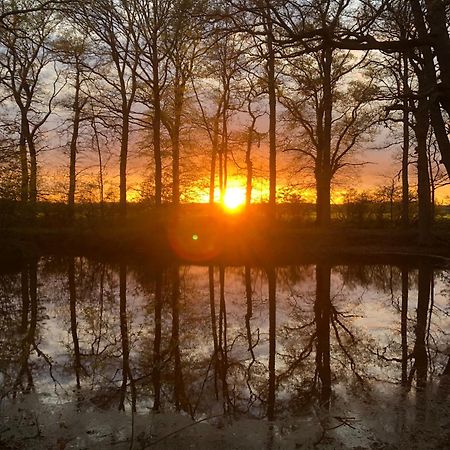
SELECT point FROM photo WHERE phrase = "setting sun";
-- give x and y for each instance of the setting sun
(234, 198)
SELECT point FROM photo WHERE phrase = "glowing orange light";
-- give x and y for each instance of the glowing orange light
(234, 198)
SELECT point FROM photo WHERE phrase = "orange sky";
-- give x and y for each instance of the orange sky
(380, 169)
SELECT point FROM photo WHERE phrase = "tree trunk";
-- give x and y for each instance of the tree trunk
(156, 123)
(323, 163)
(123, 162)
(405, 150)
(212, 173)
(430, 82)
(176, 169)
(74, 143)
(100, 165)
(437, 20)
(323, 202)
(249, 163)
(424, 195)
(179, 100)
(223, 162)
(440, 132)
(33, 158)
(33, 171)
(24, 191)
(271, 86)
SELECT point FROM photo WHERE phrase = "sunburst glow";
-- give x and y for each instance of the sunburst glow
(234, 198)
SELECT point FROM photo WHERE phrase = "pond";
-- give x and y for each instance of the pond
(121, 355)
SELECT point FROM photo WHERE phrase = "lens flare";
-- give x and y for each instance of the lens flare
(195, 239)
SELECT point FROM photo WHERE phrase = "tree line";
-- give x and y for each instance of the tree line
(317, 80)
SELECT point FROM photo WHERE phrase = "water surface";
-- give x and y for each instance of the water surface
(116, 355)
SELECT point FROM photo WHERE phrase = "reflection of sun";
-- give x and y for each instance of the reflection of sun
(234, 198)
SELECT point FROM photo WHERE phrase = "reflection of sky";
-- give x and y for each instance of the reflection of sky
(370, 310)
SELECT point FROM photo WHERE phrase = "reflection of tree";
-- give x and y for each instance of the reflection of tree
(12, 312)
(99, 327)
(322, 344)
(20, 369)
(28, 280)
(383, 277)
(212, 305)
(290, 276)
(404, 326)
(445, 278)
(95, 324)
(423, 329)
(216, 340)
(223, 342)
(181, 401)
(101, 306)
(380, 276)
(157, 360)
(420, 347)
(73, 320)
(100, 342)
(322, 308)
(248, 316)
(126, 369)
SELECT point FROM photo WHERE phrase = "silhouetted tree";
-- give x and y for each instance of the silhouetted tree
(72, 51)
(333, 116)
(183, 47)
(115, 63)
(28, 93)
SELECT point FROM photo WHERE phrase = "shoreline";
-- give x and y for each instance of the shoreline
(235, 245)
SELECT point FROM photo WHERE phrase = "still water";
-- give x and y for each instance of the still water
(103, 355)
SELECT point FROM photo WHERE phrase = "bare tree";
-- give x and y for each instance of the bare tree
(258, 19)
(113, 25)
(255, 111)
(72, 50)
(154, 21)
(28, 92)
(396, 78)
(219, 99)
(333, 115)
(183, 49)
(10, 8)
(430, 87)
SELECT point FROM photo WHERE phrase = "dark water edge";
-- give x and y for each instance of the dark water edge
(232, 244)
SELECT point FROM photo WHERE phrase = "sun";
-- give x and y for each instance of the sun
(234, 199)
